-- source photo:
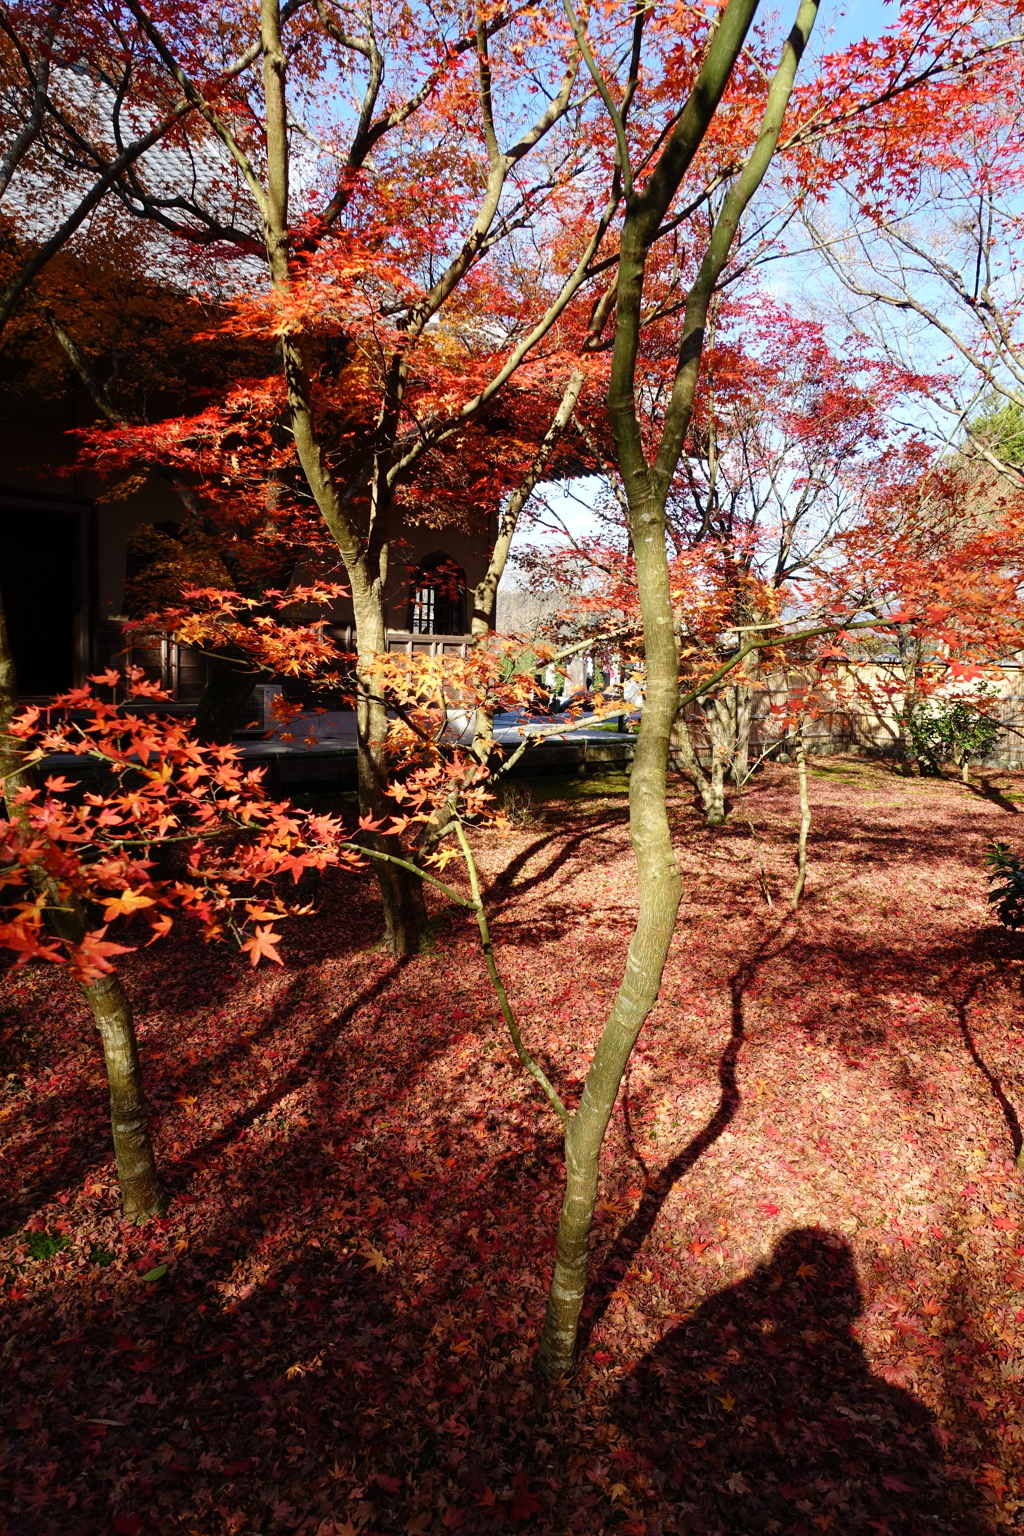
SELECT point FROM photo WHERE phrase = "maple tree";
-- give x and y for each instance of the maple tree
(321, 289)
(342, 288)
(928, 241)
(324, 269)
(86, 102)
(786, 432)
(646, 484)
(67, 852)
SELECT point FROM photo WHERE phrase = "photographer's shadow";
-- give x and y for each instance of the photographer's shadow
(763, 1412)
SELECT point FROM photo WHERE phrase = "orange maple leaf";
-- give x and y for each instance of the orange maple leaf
(262, 943)
(124, 905)
(160, 927)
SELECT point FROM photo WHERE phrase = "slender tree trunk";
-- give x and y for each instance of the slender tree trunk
(710, 786)
(647, 488)
(365, 554)
(910, 659)
(805, 816)
(141, 1195)
(744, 716)
(714, 804)
(136, 1166)
(660, 889)
(485, 593)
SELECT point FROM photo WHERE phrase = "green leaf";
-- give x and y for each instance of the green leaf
(155, 1274)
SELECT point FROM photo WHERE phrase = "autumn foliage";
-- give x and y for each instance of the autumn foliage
(110, 850)
(389, 265)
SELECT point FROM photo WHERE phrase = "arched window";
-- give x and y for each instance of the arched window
(438, 603)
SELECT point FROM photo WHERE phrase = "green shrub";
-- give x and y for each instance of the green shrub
(1007, 881)
(942, 733)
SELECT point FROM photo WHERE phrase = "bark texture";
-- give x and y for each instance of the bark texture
(141, 1195)
(711, 785)
(137, 1177)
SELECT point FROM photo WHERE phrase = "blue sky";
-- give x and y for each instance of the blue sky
(837, 26)
(862, 18)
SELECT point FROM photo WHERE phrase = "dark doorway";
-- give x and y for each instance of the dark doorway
(40, 562)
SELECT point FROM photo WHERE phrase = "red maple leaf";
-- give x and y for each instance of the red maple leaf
(526, 1505)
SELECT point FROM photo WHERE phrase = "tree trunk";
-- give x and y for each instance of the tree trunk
(710, 786)
(133, 1149)
(660, 889)
(485, 593)
(805, 817)
(405, 912)
(141, 1195)
(647, 487)
(722, 730)
(221, 709)
(714, 804)
(743, 708)
(910, 660)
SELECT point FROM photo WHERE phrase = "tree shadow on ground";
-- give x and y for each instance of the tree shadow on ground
(761, 1410)
(500, 892)
(986, 790)
(994, 1082)
(659, 1185)
(48, 1163)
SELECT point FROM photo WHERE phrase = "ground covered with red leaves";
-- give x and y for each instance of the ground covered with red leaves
(807, 1308)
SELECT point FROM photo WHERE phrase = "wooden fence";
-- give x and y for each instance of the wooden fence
(874, 733)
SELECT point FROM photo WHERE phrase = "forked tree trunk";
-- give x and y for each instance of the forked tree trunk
(744, 715)
(660, 889)
(724, 713)
(141, 1195)
(710, 786)
(647, 486)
